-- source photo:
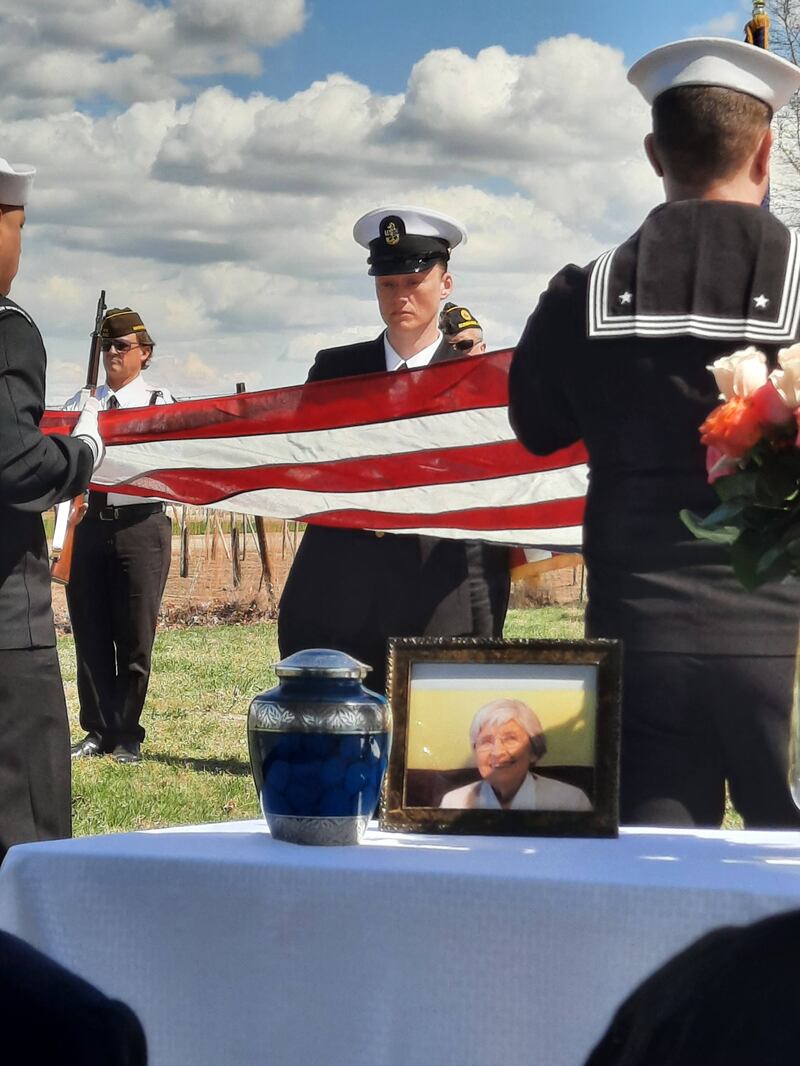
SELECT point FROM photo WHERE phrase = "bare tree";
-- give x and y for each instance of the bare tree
(784, 40)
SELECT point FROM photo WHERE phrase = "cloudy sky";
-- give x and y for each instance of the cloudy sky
(204, 161)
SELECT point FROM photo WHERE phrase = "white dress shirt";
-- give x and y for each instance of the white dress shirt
(395, 362)
(136, 393)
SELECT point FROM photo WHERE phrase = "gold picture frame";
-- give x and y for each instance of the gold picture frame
(449, 699)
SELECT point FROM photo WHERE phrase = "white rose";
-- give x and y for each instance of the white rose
(787, 379)
(741, 373)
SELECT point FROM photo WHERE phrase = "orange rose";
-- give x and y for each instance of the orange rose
(733, 427)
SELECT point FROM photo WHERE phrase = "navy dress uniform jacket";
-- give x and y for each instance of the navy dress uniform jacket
(617, 354)
(353, 589)
(36, 472)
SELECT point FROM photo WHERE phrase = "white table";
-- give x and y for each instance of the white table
(405, 951)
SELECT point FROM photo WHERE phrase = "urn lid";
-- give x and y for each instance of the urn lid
(321, 662)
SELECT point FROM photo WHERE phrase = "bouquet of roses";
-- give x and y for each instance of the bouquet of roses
(753, 461)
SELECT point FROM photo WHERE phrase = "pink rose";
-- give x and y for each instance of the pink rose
(770, 406)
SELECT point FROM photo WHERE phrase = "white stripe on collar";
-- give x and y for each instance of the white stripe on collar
(783, 328)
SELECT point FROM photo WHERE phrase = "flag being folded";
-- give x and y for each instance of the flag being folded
(428, 452)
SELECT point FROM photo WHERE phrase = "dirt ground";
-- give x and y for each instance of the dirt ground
(209, 590)
(209, 583)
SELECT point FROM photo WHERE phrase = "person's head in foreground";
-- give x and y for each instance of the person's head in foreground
(712, 102)
(727, 1000)
(126, 345)
(409, 255)
(15, 187)
(461, 330)
(508, 740)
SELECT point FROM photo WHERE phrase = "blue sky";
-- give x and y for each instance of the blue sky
(204, 161)
(377, 41)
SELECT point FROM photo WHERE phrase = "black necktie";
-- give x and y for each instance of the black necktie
(113, 403)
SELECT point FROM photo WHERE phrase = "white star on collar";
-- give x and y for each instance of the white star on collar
(626, 297)
(761, 301)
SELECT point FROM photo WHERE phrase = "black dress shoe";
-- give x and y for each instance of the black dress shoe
(90, 745)
(127, 751)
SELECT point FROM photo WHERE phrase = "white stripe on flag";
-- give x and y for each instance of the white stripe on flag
(487, 425)
(565, 483)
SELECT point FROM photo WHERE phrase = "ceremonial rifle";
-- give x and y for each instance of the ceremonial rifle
(70, 512)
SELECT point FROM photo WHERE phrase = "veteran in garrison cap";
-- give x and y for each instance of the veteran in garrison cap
(616, 354)
(120, 564)
(462, 330)
(36, 472)
(353, 589)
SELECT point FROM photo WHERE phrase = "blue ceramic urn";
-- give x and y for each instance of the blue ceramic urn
(319, 743)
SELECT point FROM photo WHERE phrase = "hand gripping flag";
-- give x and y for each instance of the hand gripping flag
(428, 452)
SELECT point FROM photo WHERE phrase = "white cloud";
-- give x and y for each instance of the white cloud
(227, 220)
(127, 50)
(730, 23)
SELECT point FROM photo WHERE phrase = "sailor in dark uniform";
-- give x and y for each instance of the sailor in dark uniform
(353, 589)
(617, 354)
(119, 569)
(36, 472)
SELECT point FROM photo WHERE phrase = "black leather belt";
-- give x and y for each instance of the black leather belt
(132, 510)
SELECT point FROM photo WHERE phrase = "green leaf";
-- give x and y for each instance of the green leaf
(726, 513)
(696, 526)
(756, 558)
(733, 485)
(776, 483)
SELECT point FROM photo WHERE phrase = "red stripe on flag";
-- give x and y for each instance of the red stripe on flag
(200, 487)
(554, 515)
(455, 385)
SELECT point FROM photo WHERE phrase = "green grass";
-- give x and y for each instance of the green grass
(195, 767)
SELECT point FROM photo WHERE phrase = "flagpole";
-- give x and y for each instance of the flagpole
(756, 32)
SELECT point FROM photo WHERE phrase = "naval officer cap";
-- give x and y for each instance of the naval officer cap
(16, 180)
(716, 61)
(407, 240)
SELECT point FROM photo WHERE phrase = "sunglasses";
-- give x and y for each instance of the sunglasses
(463, 346)
(119, 346)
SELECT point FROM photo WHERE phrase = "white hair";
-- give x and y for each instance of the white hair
(509, 710)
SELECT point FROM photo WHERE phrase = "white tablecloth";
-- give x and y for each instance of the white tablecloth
(235, 949)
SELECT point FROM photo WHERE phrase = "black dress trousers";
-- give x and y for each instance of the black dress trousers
(119, 571)
(34, 748)
(691, 722)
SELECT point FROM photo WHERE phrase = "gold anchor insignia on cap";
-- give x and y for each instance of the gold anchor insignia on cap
(391, 234)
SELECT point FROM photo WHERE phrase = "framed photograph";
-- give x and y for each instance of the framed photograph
(511, 737)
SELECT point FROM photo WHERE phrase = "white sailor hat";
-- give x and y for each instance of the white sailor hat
(716, 61)
(16, 180)
(407, 240)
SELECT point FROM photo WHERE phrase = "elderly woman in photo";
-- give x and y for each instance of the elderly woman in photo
(508, 741)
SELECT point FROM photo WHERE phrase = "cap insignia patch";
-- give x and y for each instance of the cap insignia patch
(392, 229)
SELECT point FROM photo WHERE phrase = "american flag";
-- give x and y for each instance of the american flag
(429, 452)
